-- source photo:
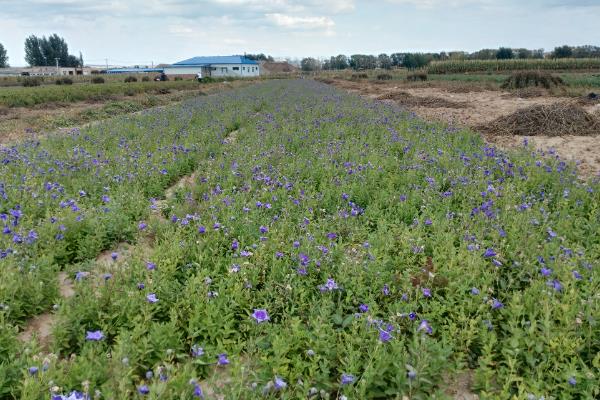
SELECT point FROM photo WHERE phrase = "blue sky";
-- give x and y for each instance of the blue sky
(145, 31)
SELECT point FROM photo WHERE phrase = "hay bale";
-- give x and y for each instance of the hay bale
(526, 79)
(548, 120)
(408, 100)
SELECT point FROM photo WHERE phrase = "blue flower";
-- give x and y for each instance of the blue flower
(152, 298)
(94, 336)
(347, 379)
(260, 315)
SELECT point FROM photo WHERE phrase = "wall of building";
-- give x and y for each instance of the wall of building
(217, 70)
(241, 70)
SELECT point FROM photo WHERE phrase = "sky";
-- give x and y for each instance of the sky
(142, 32)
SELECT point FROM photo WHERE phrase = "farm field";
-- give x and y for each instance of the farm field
(291, 240)
(62, 107)
(476, 101)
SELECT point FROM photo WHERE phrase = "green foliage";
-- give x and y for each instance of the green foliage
(562, 52)
(310, 64)
(521, 80)
(46, 51)
(505, 53)
(565, 64)
(145, 79)
(289, 184)
(64, 81)
(130, 79)
(419, 76)
(31, 81)
(3, 57)
(97, 79)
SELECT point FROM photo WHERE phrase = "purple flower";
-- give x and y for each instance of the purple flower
(105, 199)
(385, 336)
(386, 290)
(263, 229)
(572, 381)
(33, 370)
(555, 284)
(331, 236)
(363, 308)
(222, 359)
(198, 391)
(490, 253)
(235, 245)
(347, 379)
(279, 383)
(94, 336)
(260, 315)
(329, 286)
(577, 275)
(152, 298)
(545, 271)
(197, 351)
(201, 229)
(150, 266)
(474, 291)
(412, 315)
(425, 327)
(142, 225)
(411, 374)
(426, 292)
(143, 390)
(114, 256)
(141, 286)
(496, 304)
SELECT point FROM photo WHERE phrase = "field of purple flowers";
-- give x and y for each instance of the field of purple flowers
(323, 246)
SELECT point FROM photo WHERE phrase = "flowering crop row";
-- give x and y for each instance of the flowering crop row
(326, 247)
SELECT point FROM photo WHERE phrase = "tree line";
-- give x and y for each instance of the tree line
(44, 52)
(420, 60)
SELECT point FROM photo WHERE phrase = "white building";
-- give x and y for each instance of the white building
(216, 67)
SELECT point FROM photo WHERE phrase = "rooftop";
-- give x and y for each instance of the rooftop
(216, 60)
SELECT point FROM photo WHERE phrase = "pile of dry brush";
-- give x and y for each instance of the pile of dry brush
(548, 120)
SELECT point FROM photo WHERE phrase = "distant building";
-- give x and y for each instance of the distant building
(44, 71)
(216, 67)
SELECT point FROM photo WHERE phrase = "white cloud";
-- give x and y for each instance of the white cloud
(442, 3)
(295, 22)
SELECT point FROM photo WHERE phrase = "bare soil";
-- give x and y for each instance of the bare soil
(481, 106)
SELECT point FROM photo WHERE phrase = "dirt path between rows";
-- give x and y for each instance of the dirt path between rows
(478, 107)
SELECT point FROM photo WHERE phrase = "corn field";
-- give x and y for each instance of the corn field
(461, 66)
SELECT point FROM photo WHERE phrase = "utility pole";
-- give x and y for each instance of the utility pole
(106, 59)
(57, 69)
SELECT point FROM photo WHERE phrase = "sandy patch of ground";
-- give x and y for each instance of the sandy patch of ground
(483, 106)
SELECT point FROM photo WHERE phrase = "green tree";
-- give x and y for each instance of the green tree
(3, 57)
(310, 64)
(505, 53)
(563, 52)
(46, 51)
(415, 60)
(384, 61)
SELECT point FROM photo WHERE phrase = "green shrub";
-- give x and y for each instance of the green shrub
(417, 77)
(30, 82)
(178, 78)
(145, 79)
(130, 79)
(359, 76)
(97, 79)
(64, 81)
(384, 77)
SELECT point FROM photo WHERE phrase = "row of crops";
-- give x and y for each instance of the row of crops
(31, 96)
(561, 64)
(326, 246)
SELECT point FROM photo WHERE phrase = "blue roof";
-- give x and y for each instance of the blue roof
(197, 61)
